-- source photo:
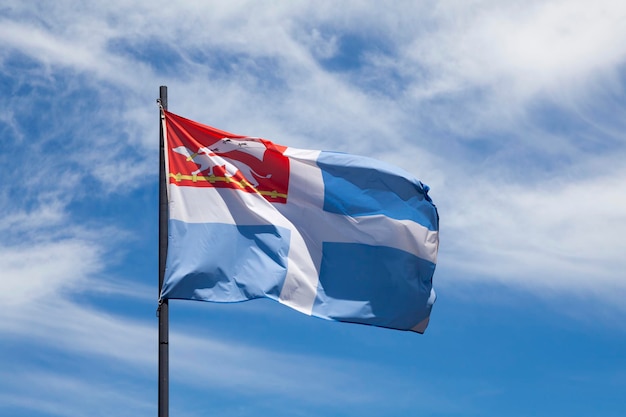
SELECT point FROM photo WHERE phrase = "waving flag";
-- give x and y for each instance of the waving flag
(337, 236)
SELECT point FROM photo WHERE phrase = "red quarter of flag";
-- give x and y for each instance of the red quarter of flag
(202, 156)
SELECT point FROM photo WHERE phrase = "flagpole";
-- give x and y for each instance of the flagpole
(163, 311)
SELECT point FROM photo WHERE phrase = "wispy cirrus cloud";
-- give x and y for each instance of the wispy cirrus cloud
(512, 112)
(472, 72)
(563, 235)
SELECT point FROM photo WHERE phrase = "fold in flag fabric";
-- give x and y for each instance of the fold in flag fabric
(332, 235)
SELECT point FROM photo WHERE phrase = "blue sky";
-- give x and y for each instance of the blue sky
(513, 113)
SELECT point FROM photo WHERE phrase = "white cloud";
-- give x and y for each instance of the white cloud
(563, 236)
(22, 221)
(40, 270)
(535, 46)
(464, 69)
(496, 58)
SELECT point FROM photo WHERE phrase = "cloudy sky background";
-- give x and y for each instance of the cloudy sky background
(513, 112)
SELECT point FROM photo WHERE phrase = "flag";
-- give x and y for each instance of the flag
(332, 235)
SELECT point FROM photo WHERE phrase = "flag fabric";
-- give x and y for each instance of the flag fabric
(337, 236)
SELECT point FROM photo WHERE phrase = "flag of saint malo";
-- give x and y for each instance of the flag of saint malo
(332, 235)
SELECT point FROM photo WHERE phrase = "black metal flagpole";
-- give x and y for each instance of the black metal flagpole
(163, 311)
